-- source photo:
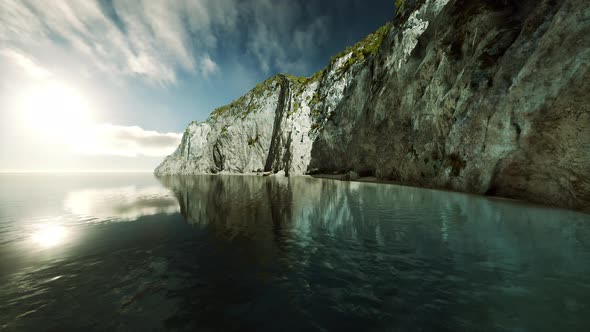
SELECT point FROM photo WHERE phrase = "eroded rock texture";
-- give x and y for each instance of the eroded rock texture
(487, 97)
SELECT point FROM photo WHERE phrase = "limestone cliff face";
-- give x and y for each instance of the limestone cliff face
(265, 130)
(488, 97)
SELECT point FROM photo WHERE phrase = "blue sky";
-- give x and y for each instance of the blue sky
(109, 85)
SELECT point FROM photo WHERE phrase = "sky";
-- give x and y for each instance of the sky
(110, 85)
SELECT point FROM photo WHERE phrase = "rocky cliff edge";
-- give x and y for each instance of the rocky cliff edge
(487, 97)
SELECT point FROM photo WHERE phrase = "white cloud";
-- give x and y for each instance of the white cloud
(127, 141)
(208, 66)
(153, 40)
(278, 39)
(157, 39)
(29, 65)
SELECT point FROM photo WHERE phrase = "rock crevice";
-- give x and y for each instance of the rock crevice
(273, 160)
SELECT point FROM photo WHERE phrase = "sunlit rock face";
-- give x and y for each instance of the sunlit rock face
(487, 97)
(265, 130)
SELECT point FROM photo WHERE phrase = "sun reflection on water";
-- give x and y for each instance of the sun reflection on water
(50, 236)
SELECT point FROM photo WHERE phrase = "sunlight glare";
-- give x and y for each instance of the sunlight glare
(56, 109)
(50, 236)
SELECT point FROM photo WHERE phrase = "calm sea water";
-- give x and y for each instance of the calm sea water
(236, 253)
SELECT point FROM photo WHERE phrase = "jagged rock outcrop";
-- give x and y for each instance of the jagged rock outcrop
(487, 97)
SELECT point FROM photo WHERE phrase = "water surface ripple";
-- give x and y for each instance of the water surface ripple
(99, 252)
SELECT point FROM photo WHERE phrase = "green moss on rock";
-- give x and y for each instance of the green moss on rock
(399, 5)
(246, 104)
(363, 49)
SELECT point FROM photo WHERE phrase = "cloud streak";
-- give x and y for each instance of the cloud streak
(279, 40)
(208, 66)
(29, 65)
(126, 141)
(146, 39)
(157, 40)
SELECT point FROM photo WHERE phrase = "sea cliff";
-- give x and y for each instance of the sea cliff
(487, 97)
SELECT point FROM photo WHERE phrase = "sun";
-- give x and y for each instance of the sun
(56, 109)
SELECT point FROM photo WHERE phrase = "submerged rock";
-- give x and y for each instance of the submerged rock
(487, 97)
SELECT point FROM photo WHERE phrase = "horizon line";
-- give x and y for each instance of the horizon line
(76, 171)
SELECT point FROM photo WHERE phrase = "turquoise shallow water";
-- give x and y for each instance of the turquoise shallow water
(238, 253)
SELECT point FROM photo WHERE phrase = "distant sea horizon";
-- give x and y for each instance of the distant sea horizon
(76, 171)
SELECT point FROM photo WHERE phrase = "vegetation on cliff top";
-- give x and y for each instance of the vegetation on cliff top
(363, 49)
(399, 5)
(246, 104)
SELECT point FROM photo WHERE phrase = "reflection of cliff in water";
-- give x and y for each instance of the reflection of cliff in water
(411, 255)
(265, 207)
(236, 208)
